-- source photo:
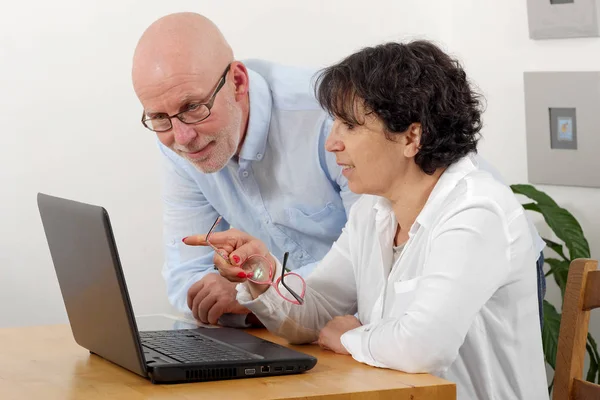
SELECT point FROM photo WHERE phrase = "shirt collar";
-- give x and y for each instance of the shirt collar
(255, 140)
(447, 182)
(443, 187)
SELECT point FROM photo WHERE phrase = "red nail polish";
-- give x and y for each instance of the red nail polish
(183, 240)
(241, 275)
(236, 260)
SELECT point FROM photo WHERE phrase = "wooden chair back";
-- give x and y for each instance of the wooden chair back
(582, 294)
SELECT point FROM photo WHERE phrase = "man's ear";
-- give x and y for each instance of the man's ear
(240, 78)
(412, 138)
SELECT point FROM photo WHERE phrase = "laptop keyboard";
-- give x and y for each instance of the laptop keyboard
(188, 346)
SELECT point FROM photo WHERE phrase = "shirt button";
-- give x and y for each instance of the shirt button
(259, 156)
(266, 221)
(245, 174)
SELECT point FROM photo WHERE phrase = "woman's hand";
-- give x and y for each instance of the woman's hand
(236, 247)
(330, 337)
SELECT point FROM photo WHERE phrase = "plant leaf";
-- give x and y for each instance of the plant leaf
(534, 194)
(592, 342)
(561, 221)
(532, 207)
(594, 347)
(550, 333)
(566, 227)
(557, 247)
(593, 369)
(560, 271)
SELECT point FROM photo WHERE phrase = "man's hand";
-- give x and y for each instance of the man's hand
(330, 336)
(213, 296)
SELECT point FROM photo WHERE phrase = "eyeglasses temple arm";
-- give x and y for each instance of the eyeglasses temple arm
(219, 218)
(293, 293)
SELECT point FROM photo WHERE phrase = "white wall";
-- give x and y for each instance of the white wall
(71, 125)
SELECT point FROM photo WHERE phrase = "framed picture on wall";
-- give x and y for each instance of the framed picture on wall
(556, 19)
(561, 117)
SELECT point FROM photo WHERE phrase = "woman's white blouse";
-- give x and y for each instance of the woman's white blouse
(460, 302)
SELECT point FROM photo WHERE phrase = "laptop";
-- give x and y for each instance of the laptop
(100, 313)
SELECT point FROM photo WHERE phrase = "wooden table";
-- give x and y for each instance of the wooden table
(45, 363)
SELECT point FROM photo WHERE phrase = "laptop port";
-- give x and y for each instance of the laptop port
(265, 369)
(249, 371)
(278, 369)
(289, 368)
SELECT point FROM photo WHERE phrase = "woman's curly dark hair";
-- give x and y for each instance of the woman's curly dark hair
(405, 84)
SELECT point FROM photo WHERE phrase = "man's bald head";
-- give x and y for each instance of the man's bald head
(184, 73)
(181, 43)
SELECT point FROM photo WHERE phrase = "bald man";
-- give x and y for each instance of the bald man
(241, 140)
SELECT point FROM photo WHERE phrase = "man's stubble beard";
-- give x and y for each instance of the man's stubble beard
(226, 143)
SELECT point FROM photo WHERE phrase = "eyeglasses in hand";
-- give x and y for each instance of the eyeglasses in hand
(260, 270)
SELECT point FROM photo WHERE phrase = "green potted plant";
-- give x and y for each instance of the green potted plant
(566, 227)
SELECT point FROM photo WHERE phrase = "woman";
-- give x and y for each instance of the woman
(437, 258)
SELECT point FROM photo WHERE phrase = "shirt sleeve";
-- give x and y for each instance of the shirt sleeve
(468, 262)
(330, 292)
(185, 212)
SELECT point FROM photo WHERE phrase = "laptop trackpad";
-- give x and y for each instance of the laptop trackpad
(248, 342)
(230, 335)
(268, 350)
